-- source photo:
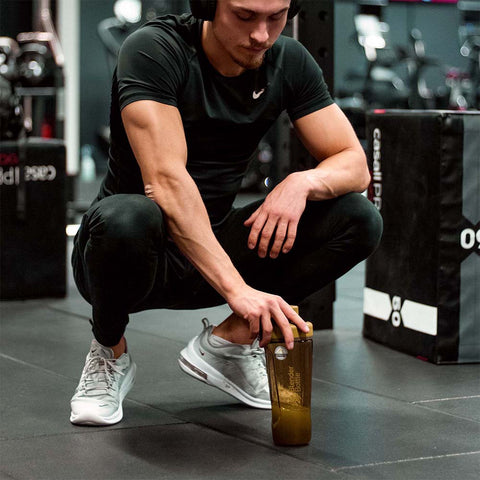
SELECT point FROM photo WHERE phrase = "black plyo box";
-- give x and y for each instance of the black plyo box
(422, 288)
(32, 219)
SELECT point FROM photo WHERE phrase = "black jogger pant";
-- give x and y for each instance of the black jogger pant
(124, 261)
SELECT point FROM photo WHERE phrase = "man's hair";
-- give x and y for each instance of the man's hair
(205, 9)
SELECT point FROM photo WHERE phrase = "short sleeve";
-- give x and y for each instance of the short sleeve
(151, 66)
(308, 90)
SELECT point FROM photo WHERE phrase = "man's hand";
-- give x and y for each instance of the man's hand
(260, 308)
(279, 215)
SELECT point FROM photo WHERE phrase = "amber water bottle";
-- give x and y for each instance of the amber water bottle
(290, 380)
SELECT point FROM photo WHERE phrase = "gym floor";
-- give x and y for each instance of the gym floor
(377, 413)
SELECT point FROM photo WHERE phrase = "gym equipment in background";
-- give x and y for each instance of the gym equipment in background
(114, 30)
(35, 63)
(395, 75)
(11, 112)
(32, 219)
(469, 35)
(36, 75)
(423, 281)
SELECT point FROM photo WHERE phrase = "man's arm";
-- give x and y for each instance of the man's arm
(342, 168)
(156, 135)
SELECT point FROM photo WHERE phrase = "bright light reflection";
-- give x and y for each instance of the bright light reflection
(72, 230)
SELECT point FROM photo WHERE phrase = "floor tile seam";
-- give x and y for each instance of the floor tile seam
(270, 447)
(32, 365)
(257, 442)
(100, 430)
(131, 327)
(180, 343)
(406, 460)
(95, 430)
(74, 380)
(67, 312)
(56, 374)
(380, 395)
(454, 415)
(405, 402)
(446, 399)
(42, 369)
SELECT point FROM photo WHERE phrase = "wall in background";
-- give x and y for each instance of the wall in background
(96, 70)
(95, 77)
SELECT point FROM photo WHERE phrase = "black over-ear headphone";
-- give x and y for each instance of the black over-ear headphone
(205, 9)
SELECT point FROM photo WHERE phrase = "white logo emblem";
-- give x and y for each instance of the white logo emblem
(281, 352)
(257, 95)
(413, 315)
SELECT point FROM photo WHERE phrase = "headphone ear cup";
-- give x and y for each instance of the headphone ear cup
(203, 9)
(294, 8)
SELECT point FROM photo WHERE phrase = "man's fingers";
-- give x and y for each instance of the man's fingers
(255, 329)
(279, 239)
(294, 318)
(249, 221)
(291, 236)
(255, 230)
(266, 236)
(282, 321)
(266, 329)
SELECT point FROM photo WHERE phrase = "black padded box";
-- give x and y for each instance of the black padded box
(422, 289)
(32, 219)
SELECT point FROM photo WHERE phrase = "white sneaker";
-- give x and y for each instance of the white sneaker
(238, 370)
(103, 385)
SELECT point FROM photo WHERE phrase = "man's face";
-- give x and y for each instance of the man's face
(246, 29)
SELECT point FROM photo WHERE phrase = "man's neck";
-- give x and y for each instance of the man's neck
(216, 54)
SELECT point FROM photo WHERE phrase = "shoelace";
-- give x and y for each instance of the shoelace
(259, 371)
(99, 375)
(257, 352)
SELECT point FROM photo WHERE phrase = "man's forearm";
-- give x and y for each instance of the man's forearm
(190, 229)
(337, 175)
(330, 138)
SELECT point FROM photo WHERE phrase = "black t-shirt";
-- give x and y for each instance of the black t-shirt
(224, 117)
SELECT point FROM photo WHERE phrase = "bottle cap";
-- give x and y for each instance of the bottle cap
(277, 335)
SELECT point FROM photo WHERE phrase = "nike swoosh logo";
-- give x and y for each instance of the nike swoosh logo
(257, 95)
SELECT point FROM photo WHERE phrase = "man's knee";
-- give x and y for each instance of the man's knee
(125, 217)
(366, 224)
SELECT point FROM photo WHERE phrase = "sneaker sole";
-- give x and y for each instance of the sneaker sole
(89, 418)
(192, 364)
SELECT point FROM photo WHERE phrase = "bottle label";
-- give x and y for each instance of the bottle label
(281, 352)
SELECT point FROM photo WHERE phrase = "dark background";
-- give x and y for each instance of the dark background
(437, 22)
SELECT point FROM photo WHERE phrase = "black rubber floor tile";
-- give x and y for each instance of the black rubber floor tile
(464, 407)
(178, 325)
(180, 394)
(353, 361)
(351, 427)
(464, 466)
(47, 338)
(174, 452)
(73, 304)
(59, 342)
(36, 402)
